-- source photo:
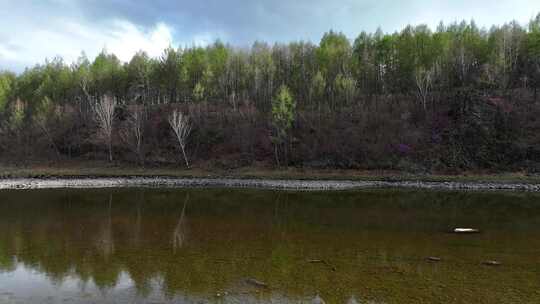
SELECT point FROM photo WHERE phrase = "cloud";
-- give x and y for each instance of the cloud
(69, 38)
(125, 39)
(31, 31)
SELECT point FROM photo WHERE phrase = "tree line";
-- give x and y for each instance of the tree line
(454, 98)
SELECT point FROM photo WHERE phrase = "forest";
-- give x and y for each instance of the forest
(449, 99)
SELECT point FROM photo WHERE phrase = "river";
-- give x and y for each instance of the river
(265, 246)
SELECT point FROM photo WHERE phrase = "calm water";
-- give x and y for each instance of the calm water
(203, 246)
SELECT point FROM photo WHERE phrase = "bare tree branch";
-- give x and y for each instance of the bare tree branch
(132, 133)
(104, 116)
(181, 126)
(424, 81)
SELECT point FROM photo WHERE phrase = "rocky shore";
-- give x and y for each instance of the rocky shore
(304, 185)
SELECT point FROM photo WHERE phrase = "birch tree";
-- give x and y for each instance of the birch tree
(104, 116)
(44, 113)
(132, 133)
(181, 126)
(424, 81)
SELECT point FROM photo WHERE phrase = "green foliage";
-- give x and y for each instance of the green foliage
(378, 63)
(44, 110)
(195, 61)
(216, 74)
(7, 80)
(318, 86)
(346, 88)
(107, 74)
(533, 43)
(283, 112)
(138, 73)
(198, 92)
(18, 114)
(170, 73)
(334, 54)
(534, 25)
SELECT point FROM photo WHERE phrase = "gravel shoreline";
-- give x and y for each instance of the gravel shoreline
(304, 185)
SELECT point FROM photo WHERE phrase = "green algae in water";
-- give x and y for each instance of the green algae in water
(210, 245)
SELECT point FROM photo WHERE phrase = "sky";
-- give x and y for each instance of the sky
(31, 31)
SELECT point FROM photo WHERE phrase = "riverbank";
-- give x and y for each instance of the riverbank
(304, 185)
(103, 176)
(281, 184)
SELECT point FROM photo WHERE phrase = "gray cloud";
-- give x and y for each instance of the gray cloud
(244, 21)
(76, 25)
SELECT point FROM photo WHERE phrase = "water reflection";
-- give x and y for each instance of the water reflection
(179, 234)
(130, 246)
(105, 241)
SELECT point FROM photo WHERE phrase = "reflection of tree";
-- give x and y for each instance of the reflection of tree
(106, 273)
(7, 261)
(179, 233)
(138, 222)
(105, 242)
(280, 214)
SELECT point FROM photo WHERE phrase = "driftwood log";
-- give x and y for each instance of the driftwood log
(324, 262)
(256, 283)
(492, 263)
(434, 259)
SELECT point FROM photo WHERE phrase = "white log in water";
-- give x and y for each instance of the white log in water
(492, 263)
(466, 230)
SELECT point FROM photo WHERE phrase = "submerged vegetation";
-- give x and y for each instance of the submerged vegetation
(457, 98)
